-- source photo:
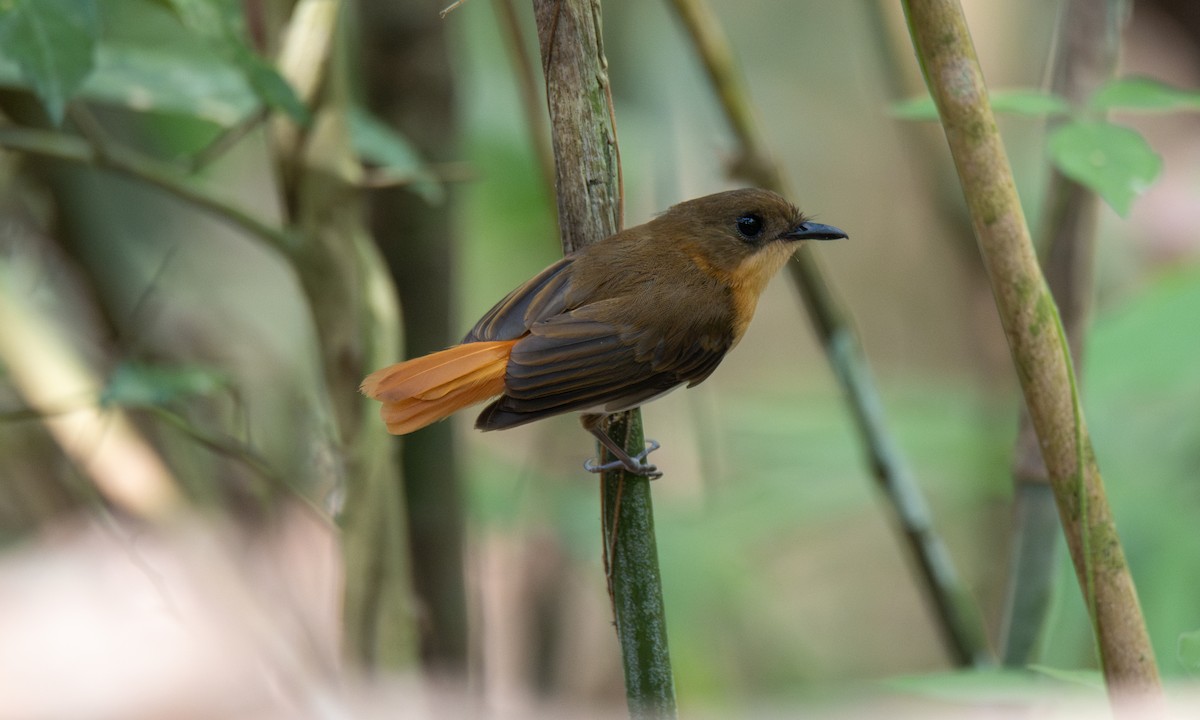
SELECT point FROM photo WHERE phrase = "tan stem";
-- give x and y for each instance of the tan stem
(1036, 340)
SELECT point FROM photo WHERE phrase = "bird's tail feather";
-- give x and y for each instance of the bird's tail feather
(424, 390)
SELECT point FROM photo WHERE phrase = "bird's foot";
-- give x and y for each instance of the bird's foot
(636, 464)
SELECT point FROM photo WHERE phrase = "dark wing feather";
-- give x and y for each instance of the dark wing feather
(573, 361)
(541, 297)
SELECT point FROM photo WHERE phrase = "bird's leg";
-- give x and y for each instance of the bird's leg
(635, 464)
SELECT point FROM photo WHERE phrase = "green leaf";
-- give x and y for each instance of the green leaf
(213, 19)
(999, 685)
(1114, 161)
(138, 385)
(918, 108)
(270, 86)
(1145, 94)
(53, 42)
(1033, 103)
(220, 23)
(1188, 651)
(1090, 679)
(167, 79)
(171, 80)
(378, 143)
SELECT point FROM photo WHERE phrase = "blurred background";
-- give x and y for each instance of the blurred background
(192, 491)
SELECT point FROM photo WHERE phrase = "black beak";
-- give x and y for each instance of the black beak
(814, 231)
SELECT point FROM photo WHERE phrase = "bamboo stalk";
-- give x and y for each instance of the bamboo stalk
(1036, 339)
(634, 585)
(588, 180)
(1086, 56)
(956, 614)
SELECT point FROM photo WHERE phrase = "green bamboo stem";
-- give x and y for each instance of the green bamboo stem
(957, 616)
(1086, 54)
(634, 585)
(588, 180)
(1037, 342)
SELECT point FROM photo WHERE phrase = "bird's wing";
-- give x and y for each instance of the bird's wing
(574, 361)
(541, 297)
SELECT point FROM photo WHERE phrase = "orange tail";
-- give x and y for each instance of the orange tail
(426, 389)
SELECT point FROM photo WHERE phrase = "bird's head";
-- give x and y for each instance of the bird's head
(744, 236)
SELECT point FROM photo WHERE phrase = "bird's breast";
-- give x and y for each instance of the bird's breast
(745, 283)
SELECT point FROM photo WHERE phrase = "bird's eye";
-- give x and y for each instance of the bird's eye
(750, 226)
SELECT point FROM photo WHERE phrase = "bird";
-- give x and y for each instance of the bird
(610, 326)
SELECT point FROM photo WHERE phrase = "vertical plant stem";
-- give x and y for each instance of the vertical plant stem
(1037, 342)
(588, 180)
(525, 75)
(634, 585)
(342, 273)
(408, 82)
(1088, 45)
(957, 616)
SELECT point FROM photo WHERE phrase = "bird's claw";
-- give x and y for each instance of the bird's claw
(637, 464)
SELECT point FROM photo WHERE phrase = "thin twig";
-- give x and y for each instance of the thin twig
(451, 8)
(531, 101)
(957, 616)
(227, 139)
(71, 148)
(43, 363)
(234, 449)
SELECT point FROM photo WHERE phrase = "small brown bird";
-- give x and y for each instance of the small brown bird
(611, 326)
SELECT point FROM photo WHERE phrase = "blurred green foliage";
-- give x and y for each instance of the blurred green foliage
(53, 42)
(1143, 94)
(1034, 103)
(135, 384)
(1114, 161)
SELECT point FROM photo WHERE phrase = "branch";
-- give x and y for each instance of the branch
(531, 101)
(958, 618)
(1037, 342)
(44, 365)
(61, 146)
(588, 179)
